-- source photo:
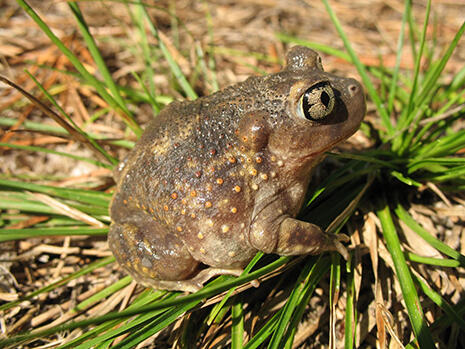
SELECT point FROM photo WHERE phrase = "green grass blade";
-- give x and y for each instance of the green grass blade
(85, 196)
(351, 316)
(441, 302)
(176, 70)
(361, 70)
(425, 235)
(237, 327)
(431, 80)
(80, 67)
(18, 234)
(319, 270)
(439, 262)
(290, 306)
(96, 147)
(395, 74)
(94, 51)
(415, 312)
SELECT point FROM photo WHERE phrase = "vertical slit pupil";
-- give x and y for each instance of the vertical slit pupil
(325, 99)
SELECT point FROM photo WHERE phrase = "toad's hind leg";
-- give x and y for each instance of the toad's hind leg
(153, 256)
(156, 258)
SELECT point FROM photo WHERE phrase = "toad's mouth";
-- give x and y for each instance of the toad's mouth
(332, 144)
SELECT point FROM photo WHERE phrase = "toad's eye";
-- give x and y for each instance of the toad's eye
(317, 102)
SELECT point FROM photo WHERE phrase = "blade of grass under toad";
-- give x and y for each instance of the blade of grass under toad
(412, 302)
(351, 310)
(175, 69)
(319, 270)
(334, 291)
(237, 326)
(207, 292)
(89, 78)
(290, 306)
(362, 71)
(103, 329)
(216, 309)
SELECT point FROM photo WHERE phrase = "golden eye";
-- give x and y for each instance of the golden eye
(317, 102)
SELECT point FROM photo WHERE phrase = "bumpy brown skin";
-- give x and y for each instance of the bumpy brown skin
(215, 180)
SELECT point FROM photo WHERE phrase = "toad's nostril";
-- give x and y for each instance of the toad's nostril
(353, 89)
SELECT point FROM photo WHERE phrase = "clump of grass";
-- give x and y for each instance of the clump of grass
(417, 146)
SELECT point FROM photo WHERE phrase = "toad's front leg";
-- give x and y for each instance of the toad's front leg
(289, 236)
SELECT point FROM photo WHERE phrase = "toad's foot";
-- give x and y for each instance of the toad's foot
(190, 285)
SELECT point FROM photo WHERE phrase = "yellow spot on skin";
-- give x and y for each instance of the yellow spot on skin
(184, 201)
(241, 173)
(125, 202)
(280, 163)
(179, 228)
(264, 176)
(210, 222)
(202, 250)
(200, 236)
(219, 181)
(209, 187)
(183, 211)
(208, 204)
(145, 270)
(193, 193)
(232, 160)
(174, 196)
(249, 160)
(253, 172)
(151, 210)
(244, 139)
(231, 254)
(165, 207)
(193, 215)
(237, 189)
(143, 207)
(225, 228)
(273, 158)
(254, 186)
(273, 174)
(137, 205)
(234, 210)
(258, 159)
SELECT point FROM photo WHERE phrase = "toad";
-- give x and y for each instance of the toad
(215, 180)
